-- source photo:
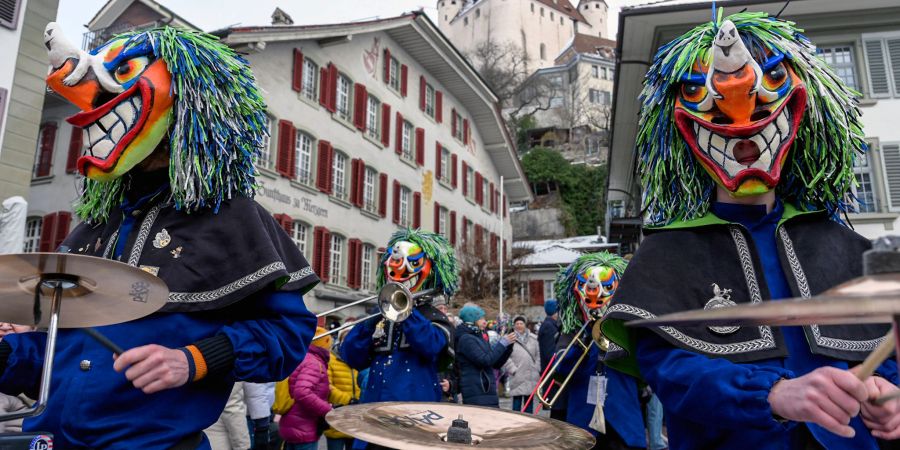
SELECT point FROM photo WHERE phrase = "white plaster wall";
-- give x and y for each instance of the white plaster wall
(9, 51)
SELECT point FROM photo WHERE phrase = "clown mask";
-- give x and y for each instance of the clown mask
(594, 288)
(125, 96)
(739, 109)
(408, 265)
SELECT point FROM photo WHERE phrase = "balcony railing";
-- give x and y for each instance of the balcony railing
(93, 39)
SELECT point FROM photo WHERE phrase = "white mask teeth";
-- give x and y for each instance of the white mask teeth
(105, 134)
(720, 148)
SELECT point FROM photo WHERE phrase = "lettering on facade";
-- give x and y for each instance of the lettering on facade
(301, 203)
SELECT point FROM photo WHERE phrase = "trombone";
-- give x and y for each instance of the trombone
(395, 303)
(548, 380)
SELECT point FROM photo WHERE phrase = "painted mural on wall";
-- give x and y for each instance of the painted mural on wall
(427, 185)
(370, 57)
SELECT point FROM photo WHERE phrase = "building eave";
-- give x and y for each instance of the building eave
(112, 9)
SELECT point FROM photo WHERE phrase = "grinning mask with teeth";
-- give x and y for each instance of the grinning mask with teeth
(164, 89)
(585, 287)
(419, 260)
(595, 287)
(744, 103)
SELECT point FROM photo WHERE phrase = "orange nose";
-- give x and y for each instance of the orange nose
(82, 94)
(737, 101)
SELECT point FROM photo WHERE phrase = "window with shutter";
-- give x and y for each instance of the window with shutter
(504, 205)
(385, 124)
(536, 292)
(893, 52)
(420, 146)
(76, 146)
(453, 169)
(303, 157)
(398, 139)
(466, 131)
(437, 218)
(422, 92)
(285, 162)
(323, 87)
(438, 152)
(386, 70)
(44, 160)
(439, 107)
(323, 175)
(453, 228)
(360, 106)
(285, 222)
(879, 84)
(479, 190)
(9, 14)
(297, 74)
(382, 194)
(890, 154)
(48, 231)
(354, 181)
(351, 264)
(32, 235)
(404, 72)
(494, 244)
(396, 202)
(465, 180)
(491, 200)
(417, 210)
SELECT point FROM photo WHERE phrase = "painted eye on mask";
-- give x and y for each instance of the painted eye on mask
(130, 69)
(775, 78)
(695, 96)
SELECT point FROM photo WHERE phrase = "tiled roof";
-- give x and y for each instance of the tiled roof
(564, 7)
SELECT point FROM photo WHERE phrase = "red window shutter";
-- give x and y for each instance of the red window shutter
(453, 171)
(387, 65)
(398, 145)
(465, 180)
(297, 75)
(354, 179)
(382, 194)
(504, 205)
(396, 202)
(357, 264)
(494, 243)
(422, 92)
(361, 184)
(326, 254)
(420, 146)
(504, 249)
(465, 230)
(492, 201)
(63, 219)
(536, 292)
(437, 217)
(48, 232)
(285, 162)
(317, 252)
(361, 98)
(437, 159)
(404, 72)
(323, 87)
(466, 131)
(76, 143)
(453, 122)
(479, 237)
(332, 88)
(417, 210)
(479, 189)
(285, 222)
(351, 263)
(45, 159)
(452, 227)
(385, 124)
(323, 177)
(439, 106)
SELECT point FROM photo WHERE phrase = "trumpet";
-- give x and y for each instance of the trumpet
(395, 303)
(547, 380)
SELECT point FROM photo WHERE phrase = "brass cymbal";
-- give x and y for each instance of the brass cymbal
(417, 425)
(96, 291)
(868, 299)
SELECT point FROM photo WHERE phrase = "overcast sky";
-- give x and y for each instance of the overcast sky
(214, 14)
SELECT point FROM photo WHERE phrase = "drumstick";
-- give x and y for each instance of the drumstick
(878, 356)
(104, 341)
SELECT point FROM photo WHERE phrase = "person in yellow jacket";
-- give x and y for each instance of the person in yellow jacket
(344, 391)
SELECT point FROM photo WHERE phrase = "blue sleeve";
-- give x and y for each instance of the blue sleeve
(888, 371)
(424, 338)
(469, 346)
(24, 364)
(356, 348)
(272, 341)
(691, 385)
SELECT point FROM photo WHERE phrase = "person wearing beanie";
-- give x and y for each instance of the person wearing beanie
(548, 334)
(477, 358)
(300, 427)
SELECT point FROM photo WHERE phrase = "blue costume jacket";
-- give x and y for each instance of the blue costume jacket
(622, 409)
(256, 309)
(476, 360)
(716, 403)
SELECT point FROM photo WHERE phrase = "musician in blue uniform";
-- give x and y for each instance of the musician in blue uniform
(169, 190)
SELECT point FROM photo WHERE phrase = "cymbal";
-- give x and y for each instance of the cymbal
(96, 291)
(407, 426)
(867, 299)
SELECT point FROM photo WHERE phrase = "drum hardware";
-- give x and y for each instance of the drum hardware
(395, 303)
(31, 283)
(459, 432)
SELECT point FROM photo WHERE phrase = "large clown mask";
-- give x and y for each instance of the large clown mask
(739, 111)
(594, 289)
(125, 96)
(408, 265)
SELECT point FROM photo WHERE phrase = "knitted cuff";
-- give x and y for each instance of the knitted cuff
(5, 351)
(192, 366)
(212, 356)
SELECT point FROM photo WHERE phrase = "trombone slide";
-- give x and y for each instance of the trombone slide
(545, 384)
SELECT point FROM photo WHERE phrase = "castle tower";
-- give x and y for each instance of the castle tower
(594, 12)
(447, 10)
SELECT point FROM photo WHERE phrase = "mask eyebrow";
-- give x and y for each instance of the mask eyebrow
(694, 78)
(415, 257)
(127, 53)
(773, 60)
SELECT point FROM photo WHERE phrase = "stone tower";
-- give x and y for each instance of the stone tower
(595, 13)
(447, 11)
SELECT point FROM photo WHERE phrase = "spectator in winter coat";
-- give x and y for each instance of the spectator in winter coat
(230, 432)
(547, 336)
(259, 398)
(523, 366)
(13, 403)
(343, 391)
(302, 426)
(477, 358)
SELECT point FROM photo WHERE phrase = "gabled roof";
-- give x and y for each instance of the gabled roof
(111, 11)
(588, 44)
(564, 7)
(422, 40)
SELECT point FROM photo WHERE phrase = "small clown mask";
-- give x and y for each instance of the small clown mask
(739, 109)
(125, 95)
(408, 265)
(594, 288)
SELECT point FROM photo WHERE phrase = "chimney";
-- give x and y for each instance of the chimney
(280, 17)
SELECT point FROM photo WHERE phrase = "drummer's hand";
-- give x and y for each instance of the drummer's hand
(883, 420)
(153, 368)
(827, 396)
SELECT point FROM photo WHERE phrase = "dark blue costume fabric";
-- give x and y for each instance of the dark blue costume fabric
(695, 388)
(622, 408)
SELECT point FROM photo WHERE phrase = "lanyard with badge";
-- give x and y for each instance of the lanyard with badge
(596, 396)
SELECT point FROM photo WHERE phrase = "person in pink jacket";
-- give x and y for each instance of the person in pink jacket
(304, 423)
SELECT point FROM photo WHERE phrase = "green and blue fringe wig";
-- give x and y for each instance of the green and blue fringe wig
(219, 124)
(818, 174)
(444, 269)
(569, 308)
